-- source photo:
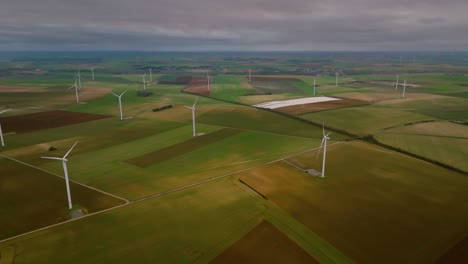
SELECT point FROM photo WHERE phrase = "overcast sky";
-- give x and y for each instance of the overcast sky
(239, 25)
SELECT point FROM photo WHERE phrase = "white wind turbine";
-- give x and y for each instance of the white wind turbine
(193, 116)
(404, 89)
(151, 74)
(324, 144)
(250, 75)
(397, 80)
(1, 133)
(76, 89)
(336, 79)
(314, 87)
(92, 73)
(120, 102)
(144, 81)
(65, 171)
(208, 78)
(78, 75)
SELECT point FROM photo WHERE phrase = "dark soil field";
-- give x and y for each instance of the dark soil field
(272, 85)
(264, 244)
(457, 254)
(198, 85)
(314, 107)
(45, 120)
(181, 148)
(31, 199)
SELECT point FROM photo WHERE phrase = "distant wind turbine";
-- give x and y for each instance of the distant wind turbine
(397, 80)
(314, 87)
(65, 171)
(1, 133)
(208, 78)
(78, 75)
(193, 116)
(76, 89)
(336, 79)
(250, 75)
(144, 81)
(324, 144)
(120, 102)
(151, 74)
(92, 73)
(404, 89)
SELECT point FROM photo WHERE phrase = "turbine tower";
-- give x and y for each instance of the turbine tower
(324, 144)
(336, 79)
(314, 87)
(1, 133)
(65, 171)
(144, 81)
(208, 78)
(120, 102)
(78, 75)
(76, 90)
(397, 79)
(193, 116)
(404, 89)
(92, 73)
(250, 75)
(151, 74)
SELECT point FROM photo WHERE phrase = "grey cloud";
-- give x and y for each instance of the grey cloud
(234, 25)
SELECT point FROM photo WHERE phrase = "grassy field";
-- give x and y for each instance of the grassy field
(365, 119)
(28, 193)
(442, 141)
(378, 207)
(158, 230)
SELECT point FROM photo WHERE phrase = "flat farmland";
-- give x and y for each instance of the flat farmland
(275, 85)
(320, 106)
(182, 148)
(269, 245)
(104, 168)
(45, 120)
(28, 193)
(162, 230)
(365, 119)
(376, 207)
(198, 85)
(442, 141)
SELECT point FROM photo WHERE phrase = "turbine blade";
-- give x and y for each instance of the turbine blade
(188, 107)
(323, 128)
(115, 94)
(320, 148)
(53, 158)
(64, 157)
(123, 92)
(6, 110)
(195, 102)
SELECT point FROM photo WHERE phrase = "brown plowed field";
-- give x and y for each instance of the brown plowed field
(45, 120)
(198, 85)
(314, 107)
(264, 244)
(181, 148)
(457, 254)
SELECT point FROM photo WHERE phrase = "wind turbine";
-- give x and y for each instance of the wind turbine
(92, 73)
(76, 89)
(120, 102)
(314, 87)
(79, 78)
(397, 78)
(208, 78)
(144, 81)
(404, 89)
(65, 171)
(193, 116)
(250, 75)
(324, 144)
(1, 133)
(151, 74)
(336, 79)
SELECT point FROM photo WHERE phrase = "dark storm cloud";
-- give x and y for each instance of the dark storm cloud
(234, 25)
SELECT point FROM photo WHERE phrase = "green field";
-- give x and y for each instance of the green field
(237, 192)
(373, 205)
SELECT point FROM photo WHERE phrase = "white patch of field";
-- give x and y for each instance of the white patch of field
(300, 101)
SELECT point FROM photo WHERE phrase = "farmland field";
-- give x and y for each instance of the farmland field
(366, 207)
(239, 191)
